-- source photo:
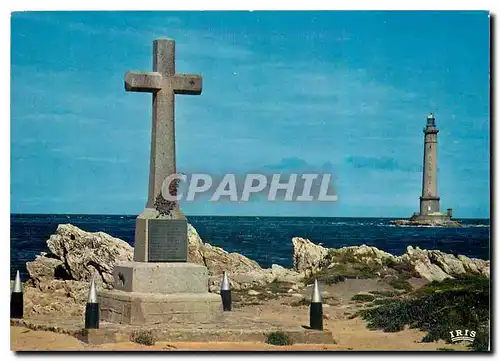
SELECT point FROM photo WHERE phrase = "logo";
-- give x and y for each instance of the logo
(465, 335)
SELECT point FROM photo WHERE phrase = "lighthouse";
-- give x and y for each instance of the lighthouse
(429, 214)
(429, 200)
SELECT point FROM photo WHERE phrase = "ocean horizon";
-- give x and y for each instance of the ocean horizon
(264, 239)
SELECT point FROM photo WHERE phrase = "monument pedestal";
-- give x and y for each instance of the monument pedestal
(150, 293)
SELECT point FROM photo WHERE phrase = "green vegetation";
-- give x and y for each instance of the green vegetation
(438, 308)
(265, 293)
(144, 337)
(306, 301)
(381, 301)
(401, 284)
(363, 297)
(339, 272)
(384, 293)
(341, 264)
(279, 338)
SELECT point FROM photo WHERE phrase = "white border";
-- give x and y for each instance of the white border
(22, 5)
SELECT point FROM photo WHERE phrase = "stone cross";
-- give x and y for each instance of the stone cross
(164, 83)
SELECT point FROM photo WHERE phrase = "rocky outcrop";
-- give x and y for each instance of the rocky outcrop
(67, 298)
(432, 265)
(195, 246)
(75, 255)
(216, 259)
(243, 272)
(436, 265)
(424, 222)
(78, 255)
(423, 265)
(45, 268)
(307, 256)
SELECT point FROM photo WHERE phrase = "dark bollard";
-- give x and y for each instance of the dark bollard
(225, 293)
(316, 309)
(92, 308)
(16, 298)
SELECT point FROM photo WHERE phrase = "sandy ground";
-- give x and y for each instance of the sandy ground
(350, 334)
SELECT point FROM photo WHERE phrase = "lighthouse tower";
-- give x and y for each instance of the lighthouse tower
(429, 201)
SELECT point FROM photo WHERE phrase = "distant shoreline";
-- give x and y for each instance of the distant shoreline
(219, 216)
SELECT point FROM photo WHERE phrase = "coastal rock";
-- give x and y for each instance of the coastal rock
(241, 280)
(242, 271)
(75, 254)
(435, 265)
(195, 246)
(307, 256)
(429, 271)
(87, 254)
(420, 262)
(282, 274)
(45, 268)
(217, 260)
(360, 254)
(424, 222)
(475, 265)
(447, 262)
(67, 298)
(432, 265)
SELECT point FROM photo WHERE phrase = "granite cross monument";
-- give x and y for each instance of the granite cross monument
(158, 238)
(160, 286)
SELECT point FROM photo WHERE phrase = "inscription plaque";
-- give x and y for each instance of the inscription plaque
(167, 240)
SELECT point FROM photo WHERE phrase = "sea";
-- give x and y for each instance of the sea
(267, 240)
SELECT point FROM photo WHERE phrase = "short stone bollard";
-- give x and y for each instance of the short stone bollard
(92, 308)
(225, 293)
(16, 298)
(316, 309)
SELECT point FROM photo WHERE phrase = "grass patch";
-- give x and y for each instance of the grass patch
(438, 308)
(363, 297)
(279, 338)
(384, 293)
(270, 291)
(401, 284)
(381, 301)
(341, 264)
(306, 301)
(403, 269)
(144, 337)
(340, 272)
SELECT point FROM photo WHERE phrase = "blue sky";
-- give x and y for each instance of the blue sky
(347, 92)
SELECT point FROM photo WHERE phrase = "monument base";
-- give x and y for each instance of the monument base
(150, 293)
(135, 308)
(164, 278)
